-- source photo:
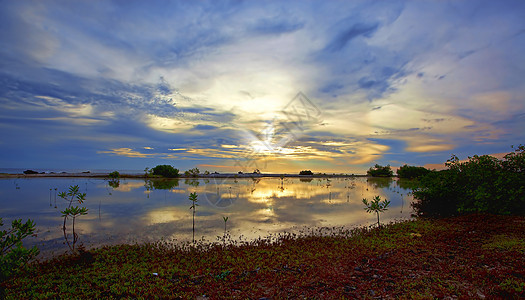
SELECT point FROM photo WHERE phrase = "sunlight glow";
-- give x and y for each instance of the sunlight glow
(164, 215)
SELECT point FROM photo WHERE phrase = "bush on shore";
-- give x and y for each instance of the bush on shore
(380, 171)
(480, 184)
(411, 172)
(165, 171)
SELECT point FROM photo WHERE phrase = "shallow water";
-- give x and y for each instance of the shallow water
(135, 210)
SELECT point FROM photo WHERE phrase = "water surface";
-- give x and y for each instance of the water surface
(135, 210)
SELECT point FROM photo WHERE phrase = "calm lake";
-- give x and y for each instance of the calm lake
(135, 210)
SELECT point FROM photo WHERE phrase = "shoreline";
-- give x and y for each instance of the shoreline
(143, 176)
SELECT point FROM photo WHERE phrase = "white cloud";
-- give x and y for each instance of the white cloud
(435, 76)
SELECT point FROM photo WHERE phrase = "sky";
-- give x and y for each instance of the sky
(279, 86)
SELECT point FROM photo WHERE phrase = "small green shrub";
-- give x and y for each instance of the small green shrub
(192, 172)
(411, 172)
(13, 254)
(114, 175)
(306, 172)
(380, 171)
(376, 206)
(165, 171)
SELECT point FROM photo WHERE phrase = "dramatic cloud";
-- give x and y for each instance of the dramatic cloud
(125, 85)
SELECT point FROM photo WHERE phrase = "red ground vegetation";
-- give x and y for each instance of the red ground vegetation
(474, 256)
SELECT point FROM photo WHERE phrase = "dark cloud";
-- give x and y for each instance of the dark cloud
(50, 127)
(205, 127)
(164, 87)
(438, 120)
(331, 87)
(271, 26)
(92, 76)
(367, 83)
(514, 133)
(107, 95)
(381, 79)
(352, 61)
(356, 30)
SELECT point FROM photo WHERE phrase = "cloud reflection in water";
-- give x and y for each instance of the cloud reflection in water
(139, 211)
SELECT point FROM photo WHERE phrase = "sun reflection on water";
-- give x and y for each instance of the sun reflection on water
(138, 210)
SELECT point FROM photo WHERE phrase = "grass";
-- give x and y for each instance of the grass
(506, 243)
(473, 256)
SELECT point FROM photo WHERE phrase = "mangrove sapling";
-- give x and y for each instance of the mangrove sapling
(193, 199)
(377, 206)
(224, 236)
(114, 175)
(147, 171)
(73, 195)
(73, 211)
(114, 179)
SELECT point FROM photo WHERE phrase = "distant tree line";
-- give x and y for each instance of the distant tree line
(405, 171)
